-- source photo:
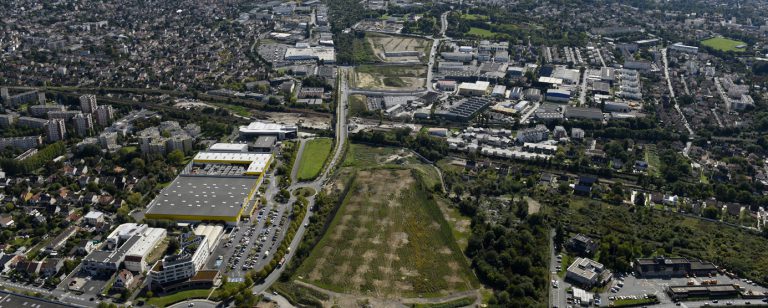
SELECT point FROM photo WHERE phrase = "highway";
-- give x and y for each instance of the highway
(317, 184)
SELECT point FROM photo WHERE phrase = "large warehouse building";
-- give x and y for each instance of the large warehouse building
(258, 129)
(218, 185)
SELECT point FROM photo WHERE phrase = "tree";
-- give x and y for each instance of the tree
(138, 163)
(711, 212)
(173, 246)
(176, 157)
(640, 199)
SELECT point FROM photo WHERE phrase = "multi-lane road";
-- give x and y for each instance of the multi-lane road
(317, 184)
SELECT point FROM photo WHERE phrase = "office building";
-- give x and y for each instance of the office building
(181, 268)
(127, 239)
(55, 130)
(588, 273)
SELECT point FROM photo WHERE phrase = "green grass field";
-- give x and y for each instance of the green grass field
(724, 44)
(387, 240)
(652, 158)
(473, 17)
(480, 32)
(315, 154)
(167, 300)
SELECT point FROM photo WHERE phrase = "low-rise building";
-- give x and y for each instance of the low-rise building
(672, 267)
(588, 273)
(582, 245)
(478, 88)
(257, 129)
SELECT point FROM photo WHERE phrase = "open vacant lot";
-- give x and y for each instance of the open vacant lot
(724, 44)
(383, 43)
(403, 77)
(388, 241)
(312, 160)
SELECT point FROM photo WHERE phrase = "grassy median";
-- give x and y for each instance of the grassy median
(313, 159)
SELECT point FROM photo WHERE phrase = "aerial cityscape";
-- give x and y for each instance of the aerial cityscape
(383, 153)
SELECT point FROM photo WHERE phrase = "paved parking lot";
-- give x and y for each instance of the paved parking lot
(640, 286)
(252, 244)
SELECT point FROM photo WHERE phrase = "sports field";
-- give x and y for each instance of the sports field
(315, 154)
(388, 241)
(724, 44)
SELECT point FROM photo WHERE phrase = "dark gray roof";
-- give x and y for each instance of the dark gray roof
(202, 196)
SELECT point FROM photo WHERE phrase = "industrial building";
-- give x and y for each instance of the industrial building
(218, 185)
(557, 95)
(672, 267)
(684, 48)
(478, 88)
(678, 293)
(258, 129)
(616, 107)
(465, 109)
(320, 53)
(583, 113)
(457, 56)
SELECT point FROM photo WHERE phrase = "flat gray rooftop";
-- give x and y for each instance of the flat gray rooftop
(202, 196)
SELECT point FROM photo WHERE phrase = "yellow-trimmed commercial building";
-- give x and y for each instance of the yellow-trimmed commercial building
(215, 186)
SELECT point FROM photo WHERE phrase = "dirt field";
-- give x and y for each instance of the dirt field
(410, 77)
(382, 43)
(388, 241)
